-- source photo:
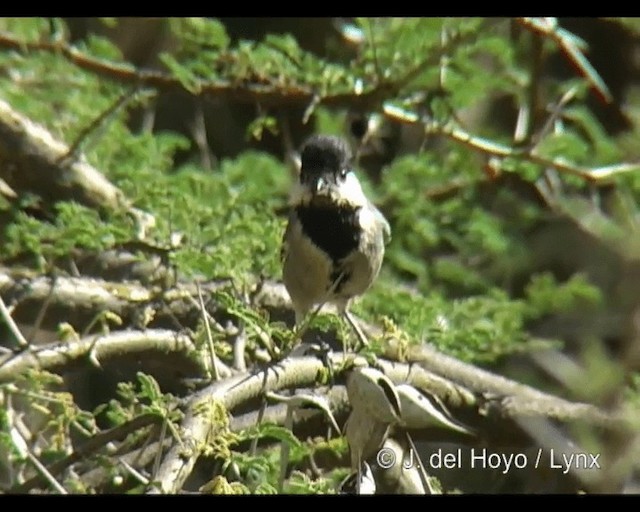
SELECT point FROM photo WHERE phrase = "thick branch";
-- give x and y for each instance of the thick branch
(31, 159)
(78, 300)
(242, 91)
(95, 348)
(197, 427)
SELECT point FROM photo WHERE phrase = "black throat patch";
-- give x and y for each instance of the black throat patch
(334, 229)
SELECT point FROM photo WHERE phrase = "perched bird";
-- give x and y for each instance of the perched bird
(334, 242)
(421, 410)
(375, 407)
(400, 472)
(360, 482)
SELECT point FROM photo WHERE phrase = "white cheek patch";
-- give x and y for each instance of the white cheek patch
(367, 219)
(350, 190)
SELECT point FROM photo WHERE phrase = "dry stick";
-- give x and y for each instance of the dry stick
(35, 153)
(307, 321)
(196, 426)
(489, 147)
(88, 447)
(500, 150)
(354, 325)
(198, 129)
(85, 132)
(158, 457)
(421, 467)
(57, 356)
(138, 457)
(205, 319)
(43, 311)
(527, 112)
(46, 475)
(239, 347)
(284, 449)
(261, 411)
(43, 471)
(572, 46)
(6, 315)
(134, 472)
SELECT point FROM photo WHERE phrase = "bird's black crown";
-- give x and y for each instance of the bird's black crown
(325, 152)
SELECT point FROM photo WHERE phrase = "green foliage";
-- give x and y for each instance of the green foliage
(134, 400)
(463, 198)
(477, 328)
(75, 226)
(546, 296)
(51, 411)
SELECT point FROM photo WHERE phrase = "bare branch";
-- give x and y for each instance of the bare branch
(90, 446)
(60, 355)
(6, 316)
(33, 161)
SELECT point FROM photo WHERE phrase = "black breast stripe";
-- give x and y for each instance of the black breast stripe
(335, 230)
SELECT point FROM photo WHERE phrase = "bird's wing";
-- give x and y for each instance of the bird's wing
(284, 246)
(386, 228)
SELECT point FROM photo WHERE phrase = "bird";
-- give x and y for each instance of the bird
(401, 474)
(375, 407)
(361, 482)
(423, 410)
(334, 242)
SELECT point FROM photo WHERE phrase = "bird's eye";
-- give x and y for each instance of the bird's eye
(344, 172)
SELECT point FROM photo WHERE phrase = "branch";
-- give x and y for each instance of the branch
(58, 356)
(80, 299)
(241, 91)
(512, 398)
(197, 427)
(88, 447)
(496, 149)
(444, 371)
(33, 160)
(572, 46)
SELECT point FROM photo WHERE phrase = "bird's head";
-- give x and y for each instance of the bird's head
(326, 174)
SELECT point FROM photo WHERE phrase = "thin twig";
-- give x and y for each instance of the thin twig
(71, 153)
(6, 315)
(263, 407)
(133, 472)
(158, 457)
(284, 449)
(376, 64)
(572, 46)
(205, 319)
(421, 467)
(56, 356)
(43, 311)
(88, 447)
(43, 471)
(239, 347)
(490, 147)
(198, 129)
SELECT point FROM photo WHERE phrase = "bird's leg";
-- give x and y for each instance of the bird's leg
(364, 342)
(302, 323)
(284, 449)
(424, 478)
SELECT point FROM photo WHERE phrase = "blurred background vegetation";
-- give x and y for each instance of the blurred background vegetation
(502, 151)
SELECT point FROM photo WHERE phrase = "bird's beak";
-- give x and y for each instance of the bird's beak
(320, 186)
